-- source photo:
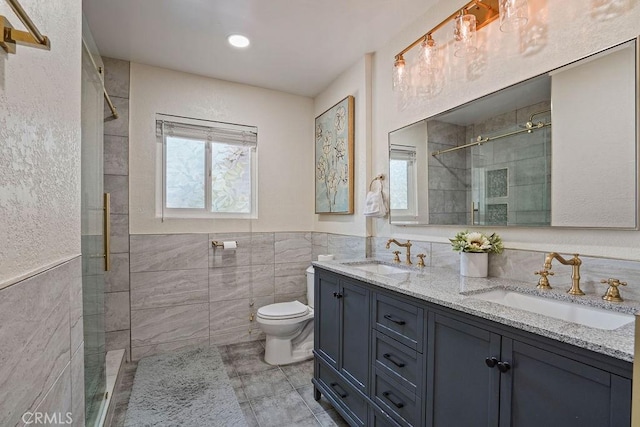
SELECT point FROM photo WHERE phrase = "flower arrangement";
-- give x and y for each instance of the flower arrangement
(465, 241)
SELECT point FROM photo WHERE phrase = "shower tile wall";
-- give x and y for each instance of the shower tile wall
(448, 174)
(186, 293)
(41, 347)
(116, 182)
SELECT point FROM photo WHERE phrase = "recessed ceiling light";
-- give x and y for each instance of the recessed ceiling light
(237, 40)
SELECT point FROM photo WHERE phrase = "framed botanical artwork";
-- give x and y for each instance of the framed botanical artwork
(334, 159)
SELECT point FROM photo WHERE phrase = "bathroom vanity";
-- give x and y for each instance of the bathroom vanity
(418, 348)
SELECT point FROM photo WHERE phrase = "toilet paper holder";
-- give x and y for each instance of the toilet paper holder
(221, 244)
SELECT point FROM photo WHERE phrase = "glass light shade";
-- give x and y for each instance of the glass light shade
(400, 75)
(514, 14)
(429, 56)
(430, 74)
(465, 35)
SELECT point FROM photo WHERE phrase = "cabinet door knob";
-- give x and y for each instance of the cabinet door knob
(398, 404)
(504, 366)
(491, 362)
(390, 358)
(394, 319)
(337, 295)
(339, 389)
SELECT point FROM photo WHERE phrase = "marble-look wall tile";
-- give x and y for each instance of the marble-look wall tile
(232, 283)
(295, 296)
(292, 247)
(346, 247)
(236, 335)
(119, 233)
(253, 249)
(34, 338)
(119, 126)
(149, 350)
(443, 256)
(226, 315)
(59, 399)
(516, 265)
(166, 288)
(77, 387)
(168, 252)
(116, 311)
(117, 278)
(116, 77)
(76, 305)
(116, 155)
(291, 278)
(162, 325)
(319, 245)
(595, 269)
(118, 340)
(118, 187)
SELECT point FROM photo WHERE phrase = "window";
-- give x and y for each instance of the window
(402, 181)
(209, 169)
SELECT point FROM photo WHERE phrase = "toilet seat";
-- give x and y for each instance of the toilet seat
(283, 310)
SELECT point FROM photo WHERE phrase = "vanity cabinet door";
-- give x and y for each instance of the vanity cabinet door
(462, 389)
(355, 334)
(327, 317)
(543, 388)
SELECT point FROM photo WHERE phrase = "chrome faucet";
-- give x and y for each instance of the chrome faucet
(574, 262)
(402, 245)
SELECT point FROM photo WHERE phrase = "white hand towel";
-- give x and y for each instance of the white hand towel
(374, 203)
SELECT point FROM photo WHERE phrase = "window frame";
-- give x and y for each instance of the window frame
(205, 212)
(408, 155)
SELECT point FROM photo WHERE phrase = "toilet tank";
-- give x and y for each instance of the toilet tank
(310, 286)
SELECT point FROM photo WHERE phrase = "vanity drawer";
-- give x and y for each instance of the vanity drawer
(380, 419)
(400, 320)
(398, 361)
(342, 393)
(405, 407)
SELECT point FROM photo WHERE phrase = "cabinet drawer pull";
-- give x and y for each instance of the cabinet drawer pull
(389, 357)
(337, 295)
(394, 319)
(504, 366)
(491, 362)
(397, 404)
(339, 389)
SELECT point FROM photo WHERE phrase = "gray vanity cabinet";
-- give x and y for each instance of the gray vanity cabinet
(386, 359)
(342, 335)
(483, 378)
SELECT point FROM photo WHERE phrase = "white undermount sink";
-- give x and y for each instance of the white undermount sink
(375, 267)
(563, 310)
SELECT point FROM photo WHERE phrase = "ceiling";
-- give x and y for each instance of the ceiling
(297, 46)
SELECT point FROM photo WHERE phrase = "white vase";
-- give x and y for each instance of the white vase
(474, 264)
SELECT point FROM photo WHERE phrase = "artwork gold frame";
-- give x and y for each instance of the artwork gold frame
(334, 140)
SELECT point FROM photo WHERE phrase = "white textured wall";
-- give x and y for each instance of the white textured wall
(40, 143)
(567, 30)
(354, 81)
(285, 148)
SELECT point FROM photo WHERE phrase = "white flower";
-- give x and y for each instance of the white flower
(477, 242)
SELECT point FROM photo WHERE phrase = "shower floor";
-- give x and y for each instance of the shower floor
(268, 395)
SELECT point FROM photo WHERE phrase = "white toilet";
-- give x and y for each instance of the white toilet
(289, 328)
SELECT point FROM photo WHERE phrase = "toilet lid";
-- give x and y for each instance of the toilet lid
(283, 310)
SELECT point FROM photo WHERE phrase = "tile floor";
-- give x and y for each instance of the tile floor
(268, 395)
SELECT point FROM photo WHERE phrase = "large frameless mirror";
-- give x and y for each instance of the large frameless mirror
(560, 149)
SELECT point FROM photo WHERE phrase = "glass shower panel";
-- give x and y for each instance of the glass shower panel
(92, 240)
(511, 178)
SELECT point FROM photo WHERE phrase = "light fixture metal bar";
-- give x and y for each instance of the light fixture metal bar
(485, 11)
(482, 140)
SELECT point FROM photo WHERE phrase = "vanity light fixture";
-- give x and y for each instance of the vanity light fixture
(468, 19)
(514, 14)
(238, 40)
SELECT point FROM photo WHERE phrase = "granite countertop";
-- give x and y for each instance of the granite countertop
(447, 288)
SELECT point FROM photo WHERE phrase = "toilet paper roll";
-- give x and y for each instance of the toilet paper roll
(325, 257)
(229, 244)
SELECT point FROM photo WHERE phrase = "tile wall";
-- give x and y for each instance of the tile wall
(41, 345)
(116, 182)
(185, 293)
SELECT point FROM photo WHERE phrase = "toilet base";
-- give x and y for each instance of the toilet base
(282, 352)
